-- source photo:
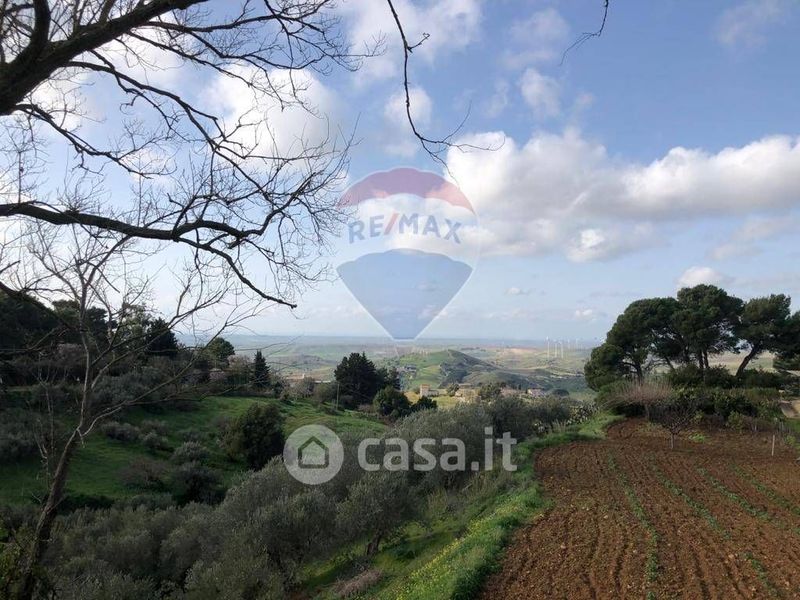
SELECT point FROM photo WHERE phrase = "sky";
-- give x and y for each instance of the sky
(663, 154)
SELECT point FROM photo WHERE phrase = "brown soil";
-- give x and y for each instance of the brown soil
(718, 518)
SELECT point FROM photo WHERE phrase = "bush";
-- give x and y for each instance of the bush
(145, 474)
(154, 442)
(692, 376)
(634, 398)
(192, 435)
(257, 435)
(758, 378)
(425, 403)
(391, 402)
(193, 482)
(127, 387)
(154, 426)
(122, 432)
(376, 505)
(465, 422)
(105, 585)
(325, 393)
(190, 452)
(17, 440)
(736, 421)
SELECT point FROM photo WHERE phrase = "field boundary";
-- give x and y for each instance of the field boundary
(459, 571)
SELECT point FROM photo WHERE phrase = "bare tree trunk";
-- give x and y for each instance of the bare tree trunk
(746, 361)
(374, 544)
(41, 536)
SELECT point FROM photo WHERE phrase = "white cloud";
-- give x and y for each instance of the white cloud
(755, 229)
(596, 244)
(541, 92)
(565, 194)
(450, 24)
(499, 99)
(745, 24)
(401, 140)
(284, 125)
(586, 314)
(702, 275)
(541, 38)
(515, 291)
(62, 97)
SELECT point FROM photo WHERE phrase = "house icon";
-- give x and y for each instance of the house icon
(313, 454)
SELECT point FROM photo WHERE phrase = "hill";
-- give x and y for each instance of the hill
(99, 469)
(444, 367)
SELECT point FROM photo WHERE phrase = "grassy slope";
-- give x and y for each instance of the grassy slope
(97, 465)
(450, 558)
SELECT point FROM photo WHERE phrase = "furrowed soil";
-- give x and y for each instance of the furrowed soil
(717, 517)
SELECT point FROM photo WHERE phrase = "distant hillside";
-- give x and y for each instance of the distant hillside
(444, 367)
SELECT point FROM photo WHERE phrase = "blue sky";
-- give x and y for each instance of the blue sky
(663, 153)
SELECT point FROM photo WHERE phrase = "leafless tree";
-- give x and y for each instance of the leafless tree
(222, 186)
(97, 269)
(675, 414)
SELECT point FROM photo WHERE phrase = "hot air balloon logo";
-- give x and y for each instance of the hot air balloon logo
(410, 244)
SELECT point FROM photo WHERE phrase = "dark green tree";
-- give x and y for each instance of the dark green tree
(358, 379)
(161, 339)
(261, 375)
(389, 377)
(763, 326)
(25, 324)
(633, 338)
(391, 402)
(67, 312)
(218, 351)
(788, 356)
(604, 367)
(424, 403)
(707, 319)
(257, 435)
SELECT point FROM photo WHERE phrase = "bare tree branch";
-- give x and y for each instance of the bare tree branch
(587, 35)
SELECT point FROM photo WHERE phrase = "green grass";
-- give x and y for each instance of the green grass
(450, 557)
(98, 464)
(593, 429)
(459, 569)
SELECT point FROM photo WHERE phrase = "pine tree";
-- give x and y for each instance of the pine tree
(260, 371)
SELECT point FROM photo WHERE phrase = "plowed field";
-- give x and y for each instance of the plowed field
(714, 518)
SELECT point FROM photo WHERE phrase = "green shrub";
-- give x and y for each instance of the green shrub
(145, 474)
(154, 426)
(122, 432)
(736, 421)
(155, 443)
(391, 402)
(190, 452)
(16, 445)
(376, 505)
(257, 435)
(759, 378)
(193, 482)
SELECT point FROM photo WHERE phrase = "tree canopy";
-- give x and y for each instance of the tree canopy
(701, 322)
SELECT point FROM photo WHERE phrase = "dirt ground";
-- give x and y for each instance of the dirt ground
(717, 517)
